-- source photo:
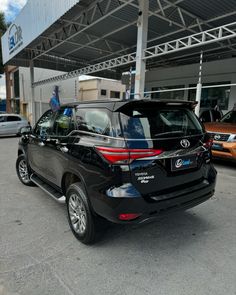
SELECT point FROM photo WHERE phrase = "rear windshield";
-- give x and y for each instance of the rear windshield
(148, 123)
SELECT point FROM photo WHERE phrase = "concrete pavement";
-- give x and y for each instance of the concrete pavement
(193, 252)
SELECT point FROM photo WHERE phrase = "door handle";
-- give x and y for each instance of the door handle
(41, 144)
(64, 149)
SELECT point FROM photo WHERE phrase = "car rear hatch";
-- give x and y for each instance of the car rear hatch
(168, 147)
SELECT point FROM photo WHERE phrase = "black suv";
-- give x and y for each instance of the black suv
(123, 161)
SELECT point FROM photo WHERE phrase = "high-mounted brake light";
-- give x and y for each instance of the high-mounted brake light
(125, 156)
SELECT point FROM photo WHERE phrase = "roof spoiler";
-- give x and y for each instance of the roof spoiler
(182, 103)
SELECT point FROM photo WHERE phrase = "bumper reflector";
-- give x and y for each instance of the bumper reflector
(129, 216)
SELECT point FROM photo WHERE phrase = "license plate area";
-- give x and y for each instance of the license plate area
(183, 163)
(217, 146)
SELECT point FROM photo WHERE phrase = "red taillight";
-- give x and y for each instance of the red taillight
(208, 144)
(129, 216)
(125, 156)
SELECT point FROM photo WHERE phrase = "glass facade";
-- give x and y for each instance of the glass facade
(212, 96)
(175, 94)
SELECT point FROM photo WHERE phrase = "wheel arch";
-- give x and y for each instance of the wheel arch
(21, 152)
(69, 178)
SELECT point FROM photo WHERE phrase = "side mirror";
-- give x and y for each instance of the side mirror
(26, 130)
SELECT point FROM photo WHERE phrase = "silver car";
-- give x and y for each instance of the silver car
(11, 124)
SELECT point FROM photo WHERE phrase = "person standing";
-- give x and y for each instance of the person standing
(54, 102)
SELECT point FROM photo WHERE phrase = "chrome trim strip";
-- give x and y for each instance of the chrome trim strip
(212, 132)
(131, 139)
(173, 154)
(95, 134)
(166, 138)
(232, 138)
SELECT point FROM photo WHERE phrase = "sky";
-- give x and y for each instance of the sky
(11, 8)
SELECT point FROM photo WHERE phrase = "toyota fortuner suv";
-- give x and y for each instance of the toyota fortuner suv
(122, 161)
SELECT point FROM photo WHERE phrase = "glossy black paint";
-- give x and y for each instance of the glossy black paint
(116, 189)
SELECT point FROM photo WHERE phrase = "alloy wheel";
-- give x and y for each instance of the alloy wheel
(77, 214)
(23, 171)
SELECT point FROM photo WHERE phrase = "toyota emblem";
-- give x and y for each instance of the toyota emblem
(185, 143)
(217, 137)
(179, 163)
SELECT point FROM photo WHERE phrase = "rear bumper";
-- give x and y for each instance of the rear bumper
(110, 207)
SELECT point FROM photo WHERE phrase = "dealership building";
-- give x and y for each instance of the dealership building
(178, 49)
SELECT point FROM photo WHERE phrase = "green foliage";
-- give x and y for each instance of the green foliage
(3, 28)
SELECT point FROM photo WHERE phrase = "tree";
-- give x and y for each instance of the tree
(3, 28)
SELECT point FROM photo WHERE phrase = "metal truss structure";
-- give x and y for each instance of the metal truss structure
(95, 13)
(202, 38)
(72, 30)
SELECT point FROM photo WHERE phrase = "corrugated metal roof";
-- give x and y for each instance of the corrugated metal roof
(93, 31)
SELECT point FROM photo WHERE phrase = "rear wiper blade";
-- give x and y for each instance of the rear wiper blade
(169, 133)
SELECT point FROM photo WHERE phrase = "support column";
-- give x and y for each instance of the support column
(141, 45)
(41, 103)
(199, 87)
(32, 101)
(8, 89)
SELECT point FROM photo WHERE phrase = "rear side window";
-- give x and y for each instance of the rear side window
(2, 119)
(63, 123)
(94, 121)
(44, 124)
(13, 119)
(148, 123)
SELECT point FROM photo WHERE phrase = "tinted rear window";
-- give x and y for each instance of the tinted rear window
(148, 123)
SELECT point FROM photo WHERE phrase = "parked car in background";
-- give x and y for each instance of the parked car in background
(11, 124)
(223, 134)
(122, 161)
(210, 115)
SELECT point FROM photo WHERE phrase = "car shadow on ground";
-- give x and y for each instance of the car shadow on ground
(183, 226)
(225, 163)
(9, 136)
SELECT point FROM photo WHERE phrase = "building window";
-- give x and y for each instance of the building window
(103, 92)
(212, 96)
(115, 94)
(175, 94)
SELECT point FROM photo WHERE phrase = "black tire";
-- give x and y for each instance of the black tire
(21, 164)
(84, 226)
